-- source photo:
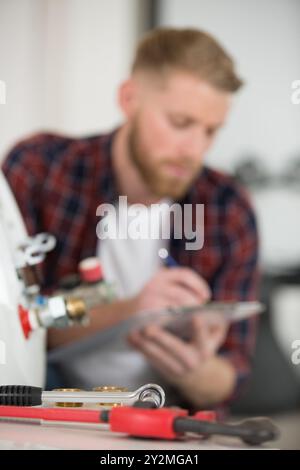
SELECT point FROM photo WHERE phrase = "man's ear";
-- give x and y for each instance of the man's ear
(127, 97)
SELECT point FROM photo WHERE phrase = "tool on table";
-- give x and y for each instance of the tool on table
(142, 420)
(20, 395)
(167, 423)
(109, 388)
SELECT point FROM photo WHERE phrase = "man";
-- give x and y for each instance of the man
(175, 101)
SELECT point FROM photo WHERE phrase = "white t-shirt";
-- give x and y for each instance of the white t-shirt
(129, 264)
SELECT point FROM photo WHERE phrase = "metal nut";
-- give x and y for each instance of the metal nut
(110, 388)
(68, 405)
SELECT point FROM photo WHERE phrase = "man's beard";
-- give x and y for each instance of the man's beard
(160, 184)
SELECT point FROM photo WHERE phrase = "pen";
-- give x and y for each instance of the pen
(170, 262)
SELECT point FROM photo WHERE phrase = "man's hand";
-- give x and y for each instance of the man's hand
(172, 287)
(194, 367)
(175, 358)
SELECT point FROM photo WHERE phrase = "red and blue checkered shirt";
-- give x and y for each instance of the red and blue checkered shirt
(59, 182)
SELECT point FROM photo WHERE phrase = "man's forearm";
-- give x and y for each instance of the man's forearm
(212, 383)
(100, 318)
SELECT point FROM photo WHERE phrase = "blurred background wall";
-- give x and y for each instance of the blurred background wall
(62, 61)
(263, 37)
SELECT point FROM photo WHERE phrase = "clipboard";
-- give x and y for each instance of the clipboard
(177, 321)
